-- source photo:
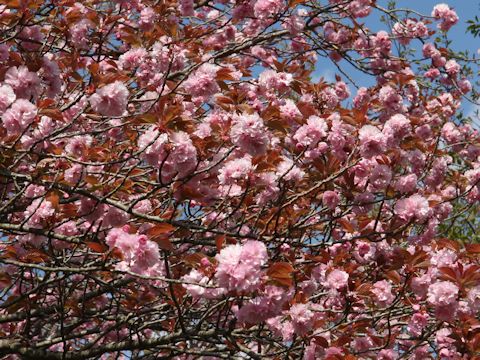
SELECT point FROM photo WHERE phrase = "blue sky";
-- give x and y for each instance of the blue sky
(466, 10)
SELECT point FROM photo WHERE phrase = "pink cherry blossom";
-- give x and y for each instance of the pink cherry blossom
(110, 100)
(147, 18)
(409, 29)
(396, 128)
(290, 110)
(263, 307)
(310, 133)
(474, 298)
(132, 58)
(205, 287)
(447, 16)
(25, 83)
(417, 323)
(266, 8)
(372, 141)
(38, 212)
(360, 8)
(183, 158)
(362, 97)
(235, 170)
(20, 115)
(77, 145)
(239, 266)
(74, 173)
(289, 171)
(383, 45)
(429, 50)
(152, 143)
(451, 133)
(452, 67)
(272, 80)
(406, 184)
(202, 83)
(415, 206)
(337, 279)
(330, 199)
(342, 91)
(4, 52)
(382, 290)
(380, 177)
(249, 133)
(364, 251)
(302, 318)
(387, 354)
(390, 98)
(432, 73)
(362, 343)
(443, 295)
(139, 253)
(7, 97)
(465, 86)
(79, 33)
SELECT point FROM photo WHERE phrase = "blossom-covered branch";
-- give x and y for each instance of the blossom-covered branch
(178, 182)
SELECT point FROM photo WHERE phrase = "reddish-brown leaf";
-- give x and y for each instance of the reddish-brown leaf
(92, 180)
(393, 276)
(320, 340)
(224, 74)
(449, 244)
(160, 229)
(223, 85)
(97, 247)
(419, 260)
(194, 259)
(45, 103)
(306, 109)
(474, 344)
(164, 243)
(55, 114)
(16, 305)
(34, 256)
(281, 273)
(448, 274)
(9, 252)
(473, 248)
(54, 199)
(219, 241)
(346, 225)
(147, 119)
(5, 280)
(14, 4)
(70, 210)
(224, 100)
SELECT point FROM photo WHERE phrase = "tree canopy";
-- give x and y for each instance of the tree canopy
(181, 180)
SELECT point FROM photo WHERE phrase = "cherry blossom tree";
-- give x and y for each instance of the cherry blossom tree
(177, 182)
